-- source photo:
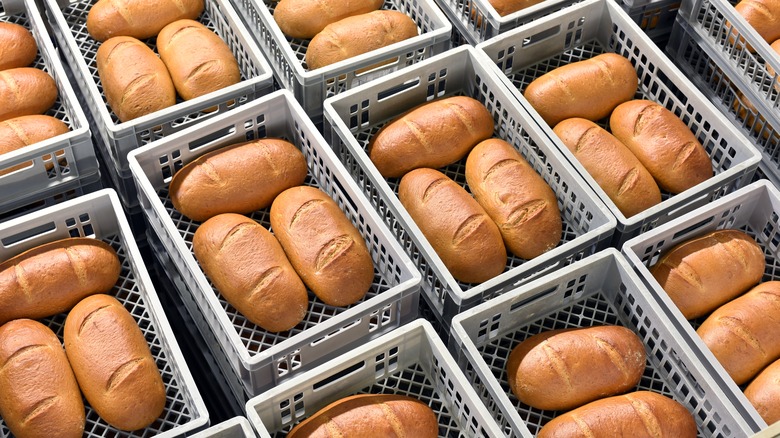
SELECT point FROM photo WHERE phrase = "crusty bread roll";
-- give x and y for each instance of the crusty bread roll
(376, 415)
(743, 334)
(39, 395)
(616, 170)
(457, 227)
(555, 369)
(239, 178)
(325, 249)
(433, 134)
(305, 18)
(23, 131)
(197, 59)
(515, 197)
(112, 363)
(506, 7)
(135, 81)
(137, 18)
(358, 34)
(51, 278)
(249, 268)
(662, 143)
(764, 393)
(25, 91)
(704, 272)
(590, 89)
(763, 16)
(17, 46)
(640, 414)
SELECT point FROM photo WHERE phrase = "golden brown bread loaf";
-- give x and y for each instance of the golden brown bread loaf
(764, 393)
(112, 363)
(590, 89)
(763, 16)
(358, 34)
(457, 227)
(744, 334)
(137, 18)
(51, 278)
(364, 415)
(704, 272)
(239, 178)
(515, 197)
(616, 170)
(249, 268)
(23, 131)
(506, 7)
(305, 18)
(555, 369)
(640, 414)
(662, 143)
(135, 81)
(325, 249)
(17, 46)
(39, 396)
(197, 59)
(433, 134)
(25, 91)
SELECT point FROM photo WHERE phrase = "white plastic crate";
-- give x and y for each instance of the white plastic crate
(353, 117)
(410, 361)
(99, 215)
(260, 358)
(593, 27)
(71, 155)
(754, 209)
(236, 427)
(311, 87)
(56, 195)
(599, 290)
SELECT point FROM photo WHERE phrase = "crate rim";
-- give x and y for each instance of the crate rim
(239, 422)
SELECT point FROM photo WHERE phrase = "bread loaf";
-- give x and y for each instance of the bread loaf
(506, 7)
(135, 81)
(616, 170)
(197, 59)
(137, 18)
(704, 272)
(640, 414)
(358, 34)
(325, 249)
(239, 178)
(112, 363)
(590, 89)
(555, 369)
(39, 395)
(376, 415)
(305, 19)
(764, 393)
(17, 46)
(763, 16)
(515, 197)
(457, 227)
(433, 135)
(25, 91)
(52, 278)
(249, 268)
(744, 334)
(23, 131)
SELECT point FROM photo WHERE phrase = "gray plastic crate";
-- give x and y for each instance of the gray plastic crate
(598, 26)
(354, 116)
(236, 427)
(599, 290)
(655, 18)
(410, 361)
(260, 358)
(71, 155)
(754, 209)
(311, 87)
(99, 215)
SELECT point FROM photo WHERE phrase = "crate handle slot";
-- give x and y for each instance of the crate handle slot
(692, 228)
(212, 138)
(536, 297)
(330, 380)
(397, 89)
(541, 36)
(28, 234)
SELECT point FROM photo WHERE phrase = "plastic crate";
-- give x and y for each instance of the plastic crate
(600, 290)
(68, 23)
(260, 358)
(655, 18)
(311, 87)
(410, 361)
(99, 215)
(70, 155)
(598, 26)
(353, 117)
(755, 210)
(236, 427)
(56, 195)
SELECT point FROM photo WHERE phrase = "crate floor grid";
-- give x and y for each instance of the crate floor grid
(127, 292)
